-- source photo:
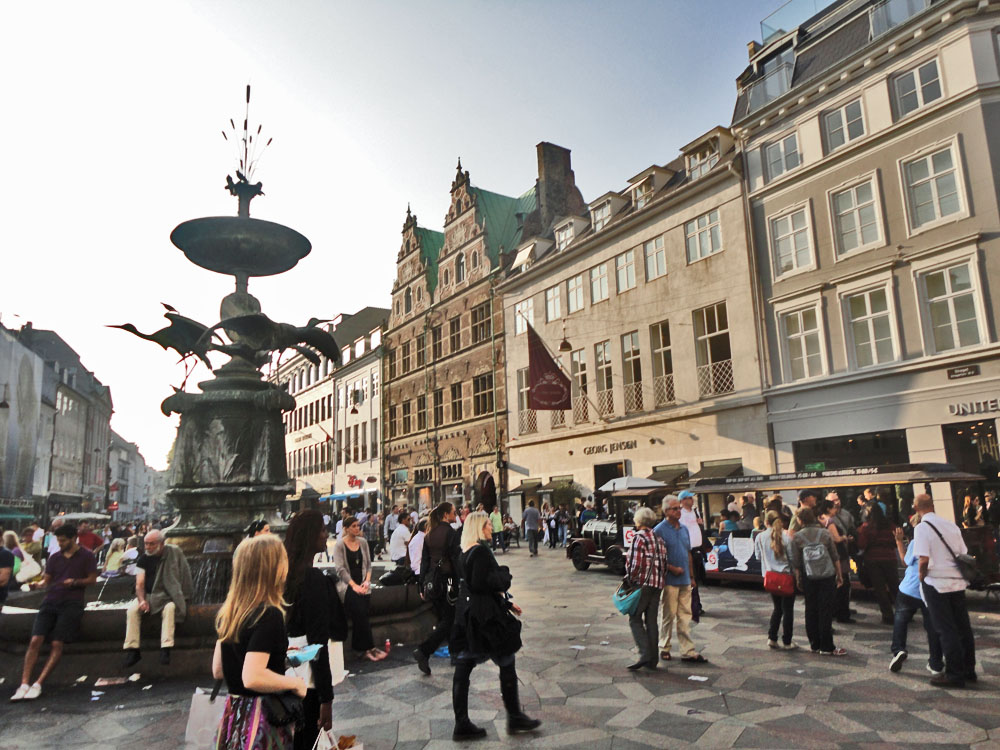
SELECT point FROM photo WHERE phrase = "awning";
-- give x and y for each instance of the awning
(867, 476)
(66, 497)
(642, 492)
(551, 486)
(718, 471)
(669, 477)
(526, 487)
(339, 496)
(523, 255)
(8, 514)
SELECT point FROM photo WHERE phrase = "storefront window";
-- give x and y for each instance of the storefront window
(844, 451)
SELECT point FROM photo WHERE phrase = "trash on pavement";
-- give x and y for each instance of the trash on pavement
(134, 677)
(698, 678)
(103, 681)
(147, 687)
(82, 678)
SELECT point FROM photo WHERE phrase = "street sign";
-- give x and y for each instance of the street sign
(817, 466)
(965, 371)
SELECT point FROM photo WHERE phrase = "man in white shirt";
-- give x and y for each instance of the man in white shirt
(416, 547)
(391, 519)
(400, 538)
(692, 522)
(943, 590)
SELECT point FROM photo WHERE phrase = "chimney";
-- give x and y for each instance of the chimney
(753, 47)
(556, 187)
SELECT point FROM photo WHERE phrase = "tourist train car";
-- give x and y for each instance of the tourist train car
(605, 541)
(732, 556)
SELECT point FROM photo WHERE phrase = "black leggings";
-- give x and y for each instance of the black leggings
(445, 613)
(357, 607)
(782, 615)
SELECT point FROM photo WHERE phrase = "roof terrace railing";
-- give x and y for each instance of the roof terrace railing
(788, 17)
(770, 87)
(890, 13)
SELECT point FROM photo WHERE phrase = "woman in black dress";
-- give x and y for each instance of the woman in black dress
(315, 611)
(354, 575)
(250, 652)
(485, 628)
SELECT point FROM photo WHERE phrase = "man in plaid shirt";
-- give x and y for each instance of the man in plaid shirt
(646, 567)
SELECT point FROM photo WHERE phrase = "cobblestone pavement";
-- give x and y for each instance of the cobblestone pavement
(573, 670)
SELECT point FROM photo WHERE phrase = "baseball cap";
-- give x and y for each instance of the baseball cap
(684, 494)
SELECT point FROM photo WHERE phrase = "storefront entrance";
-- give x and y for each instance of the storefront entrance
(972, 447)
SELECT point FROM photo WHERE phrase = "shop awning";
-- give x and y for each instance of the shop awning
(339, 496)
(551, 486)
(718, 471)
(669, 477)
(9, 514)
(65, 497)
(525, 487)
(866, 476)
(642, 492)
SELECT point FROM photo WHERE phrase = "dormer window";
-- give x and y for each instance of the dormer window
(700, 162)
(359, 348)
(564, 235)
(642, 193)
(600, 215)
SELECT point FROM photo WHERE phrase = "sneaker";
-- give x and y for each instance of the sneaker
(943, 680)
(33, 692)
(933, 671)
(771, 643)
(20, 692)
(790, 646)
(896, 663)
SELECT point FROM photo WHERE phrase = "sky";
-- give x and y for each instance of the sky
(111, 134)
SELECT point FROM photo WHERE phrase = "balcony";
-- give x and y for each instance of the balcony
(605, 403)
(557, 419)
(527, 422)
(581, 411)
(789, 16)
(770, 87)
(716, 378)
(663, 390)
(891, 13)
(633, 397)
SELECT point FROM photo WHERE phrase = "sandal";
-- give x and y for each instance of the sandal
(371, 655)
(697, 659)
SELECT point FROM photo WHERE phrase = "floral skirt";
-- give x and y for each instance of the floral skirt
(245, 727)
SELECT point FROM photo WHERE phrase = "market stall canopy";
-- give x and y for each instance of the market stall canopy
(526, 487)
(629, 483)
(855, 476)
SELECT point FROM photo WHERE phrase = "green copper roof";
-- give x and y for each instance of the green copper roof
(431, 243)
(497, 215)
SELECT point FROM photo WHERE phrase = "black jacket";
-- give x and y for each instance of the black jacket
(318, 614)
(484, 625)
(441, 543)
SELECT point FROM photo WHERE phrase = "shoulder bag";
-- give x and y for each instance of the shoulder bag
(966, 564)
(779, 584)
(29, 569)
(626, 597)
(282, 709)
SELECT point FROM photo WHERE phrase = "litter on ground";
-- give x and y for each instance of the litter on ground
(698, 678)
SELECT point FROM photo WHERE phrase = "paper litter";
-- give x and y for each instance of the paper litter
(578, 648)
(82, 678)
(147, 687)
(103, 681)
(134, 677)
(698, 678)
(605, 643)
(94, 693)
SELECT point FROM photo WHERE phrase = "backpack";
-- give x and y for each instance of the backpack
(816, 560)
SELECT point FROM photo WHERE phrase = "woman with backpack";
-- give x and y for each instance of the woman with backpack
(772, 547)
(485, 628)
(877, 541)
(818, 575)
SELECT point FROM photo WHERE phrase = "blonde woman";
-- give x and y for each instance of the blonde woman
(485, 629)
(773, 549)
(250, 652)
(115, 553)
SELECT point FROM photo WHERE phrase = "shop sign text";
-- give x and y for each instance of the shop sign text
(974, 407)
(624, 445)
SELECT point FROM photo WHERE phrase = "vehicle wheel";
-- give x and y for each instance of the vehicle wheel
(616, 561)
(580, 558)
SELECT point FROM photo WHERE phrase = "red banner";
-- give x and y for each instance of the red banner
(549, 388)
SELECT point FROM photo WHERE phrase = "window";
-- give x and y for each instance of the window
(625, 271)
(578, 369)
(602, 369)
(916, 88)
(446, 277)
(600, 215)
(870, 327)
(656, 258)
(482, 394)
(454, 334)
(355, 452)
(950, 308)
(393, 425)
(701, 162)
(481, 323)
(663, 364)
(643, 193)
(456, 402)
(782, 156)
(843, 125)
(524, 315)
(374, 438)
(340, 441)
(552, 307)
(406, 357)
(475, 259)
(632, 372)
(931, 188)
(574, 294)
(408, 301)
(791, 245)
(364, 441)
(564, 235)
(459, 268)
(437, 337)
(406, 417)
(703, 236)
(800, 329)
(855, 218)
(391, 356)
(359, 350)
(712, 349)
(421, 413)
(439, 407)
(598, 283)
(375, 381)
(527, 418)
(421, 350)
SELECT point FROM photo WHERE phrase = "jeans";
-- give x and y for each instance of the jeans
(842, 601)
(532, 541)
(819, 595)
(562, 534)
(906, 607)
(643, 624)
(950, 619)
(782, 615)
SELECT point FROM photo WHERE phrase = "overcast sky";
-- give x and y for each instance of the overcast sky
(111, 135)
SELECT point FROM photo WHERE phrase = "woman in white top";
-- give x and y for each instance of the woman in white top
(416, 546)
(773, 547)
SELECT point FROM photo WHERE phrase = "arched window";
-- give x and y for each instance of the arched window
(475, 259)
(446, 277)
(407, 301)
(460, 268)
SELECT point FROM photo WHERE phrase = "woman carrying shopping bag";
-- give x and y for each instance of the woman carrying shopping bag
(250, 652)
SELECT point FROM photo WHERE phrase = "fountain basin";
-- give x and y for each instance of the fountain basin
(237, 246)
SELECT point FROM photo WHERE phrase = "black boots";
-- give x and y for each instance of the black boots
(464, 729)
(517, 720)
(132, 656)
(164, 656)
(423, 663)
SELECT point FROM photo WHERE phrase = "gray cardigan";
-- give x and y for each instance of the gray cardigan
(342, 568)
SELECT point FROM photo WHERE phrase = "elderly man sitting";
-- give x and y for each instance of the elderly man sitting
(163, 571)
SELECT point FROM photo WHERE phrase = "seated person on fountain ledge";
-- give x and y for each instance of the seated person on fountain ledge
(163, 571)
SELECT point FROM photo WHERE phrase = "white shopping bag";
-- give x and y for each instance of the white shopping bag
(303, 670)
(204, 719)
(325, 740)
(336, 651)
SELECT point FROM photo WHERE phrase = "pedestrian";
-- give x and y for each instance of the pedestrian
(807, 499)
(817, 575)
(391, 522)
(877, 542)
(112, 562)
(908, 602)
(400, 538)
(486, 628)
(67, 574)
(163, 586)
(691, 520)
(646, 567)
(441, 561)
(588, 513)
(415, 546)
(370, 529)
(675, 603)
(352, 562)
(562, 520)
(251, 647)
(844, 523)
(936, 541)
(256, 528)
(315, 616)
(773, 548)
(531, 523)
(6, 573)
(777, 503)
(87, 538)
(49, 541)
(497, 520)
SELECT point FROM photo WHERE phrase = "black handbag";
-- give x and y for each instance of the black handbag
(282, 709)
(435, 584)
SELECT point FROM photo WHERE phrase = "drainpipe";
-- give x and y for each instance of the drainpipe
(501, 469)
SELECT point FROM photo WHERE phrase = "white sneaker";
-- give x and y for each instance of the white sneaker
(790, 646)
(896, 663)
(33, 692)
(933, 671)
(772, 644)
(20, 693)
